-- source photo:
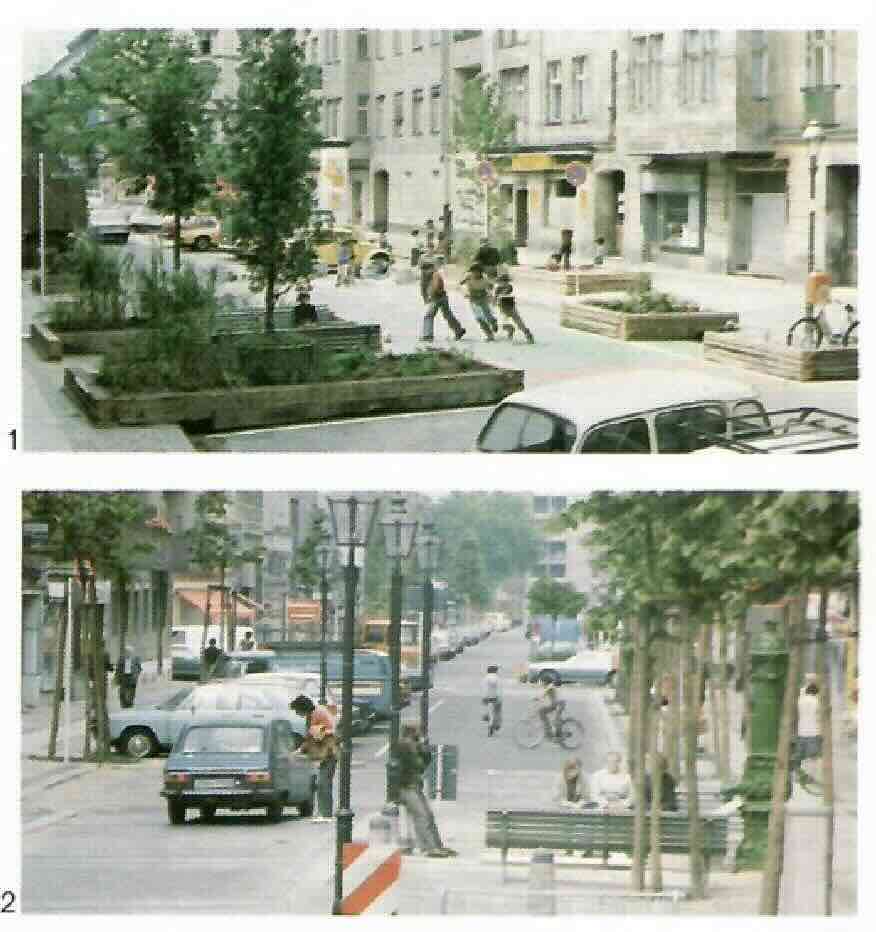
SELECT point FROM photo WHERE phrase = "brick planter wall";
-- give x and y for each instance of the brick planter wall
(785, 362)
(228, 409)
(578, 315)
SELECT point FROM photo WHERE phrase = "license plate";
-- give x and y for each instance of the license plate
(214, 784)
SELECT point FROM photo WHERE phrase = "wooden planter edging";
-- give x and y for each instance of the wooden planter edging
(53, 344)
(590, 282)
(785, 362)
(578, 315)
(232, 408)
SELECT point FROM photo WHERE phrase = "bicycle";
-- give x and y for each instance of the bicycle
(529, 732)
(808, 332)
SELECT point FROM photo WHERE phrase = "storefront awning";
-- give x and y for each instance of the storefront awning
(197, 598)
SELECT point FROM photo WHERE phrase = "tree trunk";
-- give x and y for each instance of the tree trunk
(674, 730)
(714, 675)
(204, 676)
(691, 718)
(656, 771)
(723, 704)
(122, 585)
(87, 659)
(633, 692)
(825, 729)
(223, 610)
(60, 661)
(270, 281)
(743, 674)
(177, 239)
(772, 872)
(638, 764)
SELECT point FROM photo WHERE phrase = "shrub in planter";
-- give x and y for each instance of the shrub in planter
(642, 300)
(364, 364)
(274, 359)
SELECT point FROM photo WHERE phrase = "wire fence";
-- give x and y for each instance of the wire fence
(560, 902)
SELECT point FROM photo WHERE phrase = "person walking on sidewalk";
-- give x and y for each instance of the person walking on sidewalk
(478, 293)
(807, 745)
(492, 695)
(413, 758)
(504, 294)
(487, 257)
(128, 672)
(426, 265)
(319, 745)
(439, 303)
(565, 253)
(212, 653)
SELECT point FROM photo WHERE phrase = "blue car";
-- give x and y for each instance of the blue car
(239, 763)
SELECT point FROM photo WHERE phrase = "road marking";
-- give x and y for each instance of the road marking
(440, 702)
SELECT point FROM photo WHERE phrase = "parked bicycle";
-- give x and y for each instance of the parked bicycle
(529, 732)
(810, 331)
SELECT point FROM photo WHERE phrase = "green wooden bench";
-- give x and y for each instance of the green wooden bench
(252, 320)
(597, 831)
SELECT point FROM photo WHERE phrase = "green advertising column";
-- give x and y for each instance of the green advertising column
(769, 665)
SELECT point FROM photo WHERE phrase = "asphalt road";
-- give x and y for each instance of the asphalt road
(101, 842)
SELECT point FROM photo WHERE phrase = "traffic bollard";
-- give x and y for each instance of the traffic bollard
(540, 898)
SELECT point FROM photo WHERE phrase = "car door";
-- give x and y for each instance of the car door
(282, 746)
(630, 435)
(173, 720)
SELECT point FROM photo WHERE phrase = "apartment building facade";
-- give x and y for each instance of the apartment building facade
(688, 143)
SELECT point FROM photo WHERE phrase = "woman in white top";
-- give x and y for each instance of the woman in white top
(611, 787)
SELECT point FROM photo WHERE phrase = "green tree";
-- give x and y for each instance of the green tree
(304, 572)
(214, 548)
(376, 575)
(466, 567)
(481, 128)
(271, 132)
(100, 532)
(554, 598)
(156, 93)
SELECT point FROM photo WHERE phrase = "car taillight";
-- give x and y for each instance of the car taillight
(258, 776)
(177, 779)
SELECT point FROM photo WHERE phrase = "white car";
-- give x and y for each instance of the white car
(586, 666)
(644, 411)
(108, 225)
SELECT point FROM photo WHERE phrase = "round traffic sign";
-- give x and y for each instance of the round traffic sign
(576, 173)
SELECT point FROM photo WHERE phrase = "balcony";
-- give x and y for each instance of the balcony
(818, 103)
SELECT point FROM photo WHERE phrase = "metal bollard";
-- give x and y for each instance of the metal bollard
(379, 830)
(540, 898)
(390, 812)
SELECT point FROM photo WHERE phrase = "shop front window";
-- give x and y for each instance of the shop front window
(674, 205)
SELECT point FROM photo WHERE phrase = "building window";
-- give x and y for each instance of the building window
(674, 205)
(514, 93)
(204, 39)
(379, 109)
(334, 48)
(460, 35)
(508, 38)
(759, 65)
(819, 57)
(435, 109)
(554, 110)
(362, 45)
(396, 42)
(417, 112)
(582, 83)
(314, 50)
(558, 570)
(647, 71)
(416, 39)
(691, 53)
(398, 117)
(564, 189)
(541, 504)
(709, 87)
(556, 550)
(362, 115)
(333, 118)
(378, 43)
(435, 36)
(558, 503)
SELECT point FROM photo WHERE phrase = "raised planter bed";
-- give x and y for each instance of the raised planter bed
(677, 325)
(54, 344)
(786, 362)
(229, 409)
(592, 281)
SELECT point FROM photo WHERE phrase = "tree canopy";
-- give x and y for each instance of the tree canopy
(555, 598)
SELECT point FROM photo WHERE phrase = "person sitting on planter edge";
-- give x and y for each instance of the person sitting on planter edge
(305, 312)
(668, 796)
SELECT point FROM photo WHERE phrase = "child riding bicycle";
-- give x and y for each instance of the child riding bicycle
(549, 702)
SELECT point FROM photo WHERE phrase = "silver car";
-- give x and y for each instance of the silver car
(145, 730)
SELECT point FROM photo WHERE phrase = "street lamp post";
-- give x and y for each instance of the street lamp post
(427, 551)
(323, 558)
(352, 519)
(399, 536)
(813, 136)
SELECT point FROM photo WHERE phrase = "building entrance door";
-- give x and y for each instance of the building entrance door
(521, 217)
(381, 201)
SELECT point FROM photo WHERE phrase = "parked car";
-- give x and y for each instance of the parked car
(586, 666)
(245, 763)
(454, 641)
(145, 220)
(108, 225)
(441, 648)
(200, 231)
(143, 731)
(646, 411)
(307, 684)
(366, 251)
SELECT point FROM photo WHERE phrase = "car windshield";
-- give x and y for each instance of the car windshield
(175, 700)
(223, 739)
(232, 697)
(517, 429)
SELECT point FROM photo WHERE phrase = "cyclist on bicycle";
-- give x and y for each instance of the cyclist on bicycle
(549, 702)
(492, 695)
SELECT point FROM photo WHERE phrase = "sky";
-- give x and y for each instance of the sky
(40, 50)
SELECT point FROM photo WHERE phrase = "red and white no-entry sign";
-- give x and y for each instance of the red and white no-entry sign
(370, 875)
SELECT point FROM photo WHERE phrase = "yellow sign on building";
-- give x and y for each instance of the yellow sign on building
(532, 163)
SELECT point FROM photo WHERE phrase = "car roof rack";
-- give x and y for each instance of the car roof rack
(787, 430)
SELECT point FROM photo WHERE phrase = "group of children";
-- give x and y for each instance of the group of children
(484, 286)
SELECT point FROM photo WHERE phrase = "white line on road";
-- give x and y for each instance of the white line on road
(385, 747)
